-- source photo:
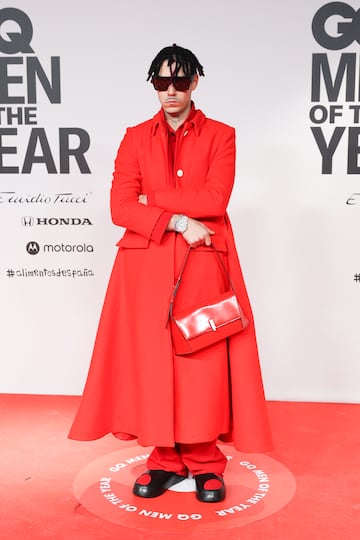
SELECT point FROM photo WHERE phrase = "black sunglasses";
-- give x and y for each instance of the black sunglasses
(181, 84)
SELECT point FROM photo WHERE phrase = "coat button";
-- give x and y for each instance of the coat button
(180, 173)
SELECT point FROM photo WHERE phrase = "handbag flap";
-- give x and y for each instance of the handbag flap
(214, 315)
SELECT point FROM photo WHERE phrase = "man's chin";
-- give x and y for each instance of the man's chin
(172, 107)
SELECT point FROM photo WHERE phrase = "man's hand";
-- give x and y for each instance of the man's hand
(197, 234)
(142, 199)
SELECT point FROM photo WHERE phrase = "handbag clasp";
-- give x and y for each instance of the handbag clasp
(212, 325)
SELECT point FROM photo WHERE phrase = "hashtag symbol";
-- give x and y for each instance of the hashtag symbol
(10, 273)
(357, 277)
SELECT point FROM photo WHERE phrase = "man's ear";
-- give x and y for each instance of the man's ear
(194, 82)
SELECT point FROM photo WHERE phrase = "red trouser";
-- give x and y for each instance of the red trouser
(198, 458)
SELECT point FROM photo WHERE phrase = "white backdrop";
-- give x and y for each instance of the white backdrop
(297, 236)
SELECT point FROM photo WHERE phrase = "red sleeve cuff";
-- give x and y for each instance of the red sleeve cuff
(160, 226)
(151, 198)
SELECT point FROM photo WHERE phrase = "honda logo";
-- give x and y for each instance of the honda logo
(27, 221)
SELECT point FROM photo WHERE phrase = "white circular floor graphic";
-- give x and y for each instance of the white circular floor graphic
(256, 487)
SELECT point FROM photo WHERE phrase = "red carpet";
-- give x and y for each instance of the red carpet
(318, 443)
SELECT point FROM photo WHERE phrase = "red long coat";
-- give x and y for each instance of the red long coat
(136, 386)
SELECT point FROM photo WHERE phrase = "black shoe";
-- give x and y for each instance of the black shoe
(209, 495)
(159, 483)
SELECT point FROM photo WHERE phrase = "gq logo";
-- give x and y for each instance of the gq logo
(348, 28)
(16, 42)
(32, 248)
(16, 32)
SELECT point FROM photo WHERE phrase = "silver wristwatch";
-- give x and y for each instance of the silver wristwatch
(181, 224)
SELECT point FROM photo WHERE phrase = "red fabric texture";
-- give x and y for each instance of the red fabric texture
(144, 479)
(198, 458)
(213, 483)
(136, 386)
(160, 227)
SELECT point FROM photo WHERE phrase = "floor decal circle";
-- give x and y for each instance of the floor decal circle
(256, 487)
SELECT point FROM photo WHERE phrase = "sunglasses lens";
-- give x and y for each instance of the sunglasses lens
(161, 84)
(181, 84)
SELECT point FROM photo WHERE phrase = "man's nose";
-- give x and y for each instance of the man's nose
(171, 89)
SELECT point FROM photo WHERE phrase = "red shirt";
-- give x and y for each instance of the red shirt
(173, 140)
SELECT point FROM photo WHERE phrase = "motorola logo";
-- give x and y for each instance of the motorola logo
(32, 248)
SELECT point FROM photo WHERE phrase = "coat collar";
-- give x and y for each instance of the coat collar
(196, 122)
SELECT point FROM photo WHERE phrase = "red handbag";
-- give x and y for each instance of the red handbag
(200, 326)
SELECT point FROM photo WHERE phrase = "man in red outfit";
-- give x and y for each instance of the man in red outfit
(172, 182)
(174, 73)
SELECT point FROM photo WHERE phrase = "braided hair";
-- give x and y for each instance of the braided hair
(182, 58)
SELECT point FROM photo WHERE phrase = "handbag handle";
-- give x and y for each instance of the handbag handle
(178, 280)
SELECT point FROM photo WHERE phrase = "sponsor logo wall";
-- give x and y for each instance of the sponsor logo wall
(291, 91)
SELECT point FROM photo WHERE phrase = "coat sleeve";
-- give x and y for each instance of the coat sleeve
(211, 195)
(126, 211)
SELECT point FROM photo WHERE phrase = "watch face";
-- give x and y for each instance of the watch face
(181, 224)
